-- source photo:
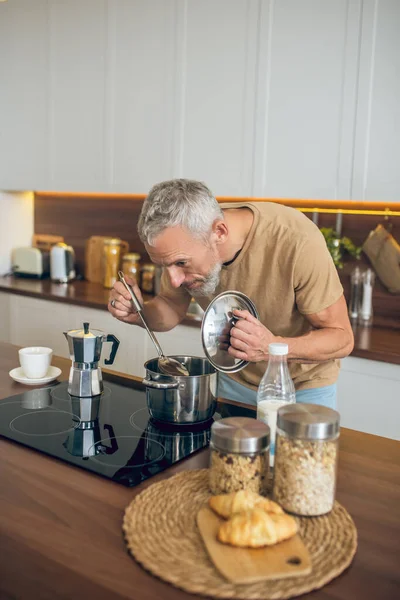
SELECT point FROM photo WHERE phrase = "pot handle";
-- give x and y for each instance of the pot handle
(157, 385)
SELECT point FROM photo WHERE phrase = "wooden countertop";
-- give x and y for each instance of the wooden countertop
(374, 343)
(60, 527)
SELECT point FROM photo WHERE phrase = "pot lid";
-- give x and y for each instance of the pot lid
(217, 323)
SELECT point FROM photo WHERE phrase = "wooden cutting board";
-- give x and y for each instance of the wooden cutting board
(248, 565)
(45, 241)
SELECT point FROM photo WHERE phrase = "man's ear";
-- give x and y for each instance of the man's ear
(220, 231)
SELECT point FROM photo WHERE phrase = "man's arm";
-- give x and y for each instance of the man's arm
(330, 338)
(162, 313)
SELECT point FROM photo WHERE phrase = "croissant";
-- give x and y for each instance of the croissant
(256, 528)
(227, 505)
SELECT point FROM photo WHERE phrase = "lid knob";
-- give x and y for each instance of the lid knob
(86, 328)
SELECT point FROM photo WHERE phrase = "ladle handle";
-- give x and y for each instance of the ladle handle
(139, 309)
(135, 301)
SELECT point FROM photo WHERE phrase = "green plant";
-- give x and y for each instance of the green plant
(338, 246)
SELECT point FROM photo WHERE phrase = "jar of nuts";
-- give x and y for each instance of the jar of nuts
(239, 455)
(306, 454)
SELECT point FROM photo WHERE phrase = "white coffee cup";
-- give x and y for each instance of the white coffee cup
(35, 361)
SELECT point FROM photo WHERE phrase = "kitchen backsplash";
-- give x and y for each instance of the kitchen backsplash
(77, 217)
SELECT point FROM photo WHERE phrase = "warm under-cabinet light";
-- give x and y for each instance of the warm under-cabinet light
(345, 207)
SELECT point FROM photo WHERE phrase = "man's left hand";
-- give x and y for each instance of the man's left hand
(249, 338)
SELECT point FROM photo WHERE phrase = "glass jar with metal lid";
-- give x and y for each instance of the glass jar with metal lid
(306, 454)
(148, 278)
(130, 265)
(111, 260)
(239, 452)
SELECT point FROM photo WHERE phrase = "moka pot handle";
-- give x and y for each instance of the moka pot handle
(115, 344)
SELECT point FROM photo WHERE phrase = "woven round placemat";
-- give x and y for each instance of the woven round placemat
(162, 535)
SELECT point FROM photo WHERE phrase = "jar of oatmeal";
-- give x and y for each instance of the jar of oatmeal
(239, 455)
(306, 455)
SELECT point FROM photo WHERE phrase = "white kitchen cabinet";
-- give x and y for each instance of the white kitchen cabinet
(296, 98)
(24, 98)
(35, 322)
(79, 155)
(142, 94)
(369, 396)
(377, 139)
(216, 94)
(307, 98)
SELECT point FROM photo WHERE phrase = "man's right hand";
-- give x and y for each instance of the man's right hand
(120, 303)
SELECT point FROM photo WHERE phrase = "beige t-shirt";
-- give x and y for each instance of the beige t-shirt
(287, 271)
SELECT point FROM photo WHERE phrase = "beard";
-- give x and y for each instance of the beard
(209, 283)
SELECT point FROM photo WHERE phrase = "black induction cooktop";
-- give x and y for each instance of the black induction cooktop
(112, 435)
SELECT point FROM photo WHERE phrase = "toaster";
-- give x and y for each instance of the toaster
(62, 263)
(30, 262)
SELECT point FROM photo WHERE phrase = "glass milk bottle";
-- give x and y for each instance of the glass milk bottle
(276, 389)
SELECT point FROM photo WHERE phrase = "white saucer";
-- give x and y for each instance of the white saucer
(18, 375)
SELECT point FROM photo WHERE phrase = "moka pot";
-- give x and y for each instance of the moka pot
(85, 377)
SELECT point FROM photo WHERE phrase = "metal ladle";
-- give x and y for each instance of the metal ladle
(167, 365)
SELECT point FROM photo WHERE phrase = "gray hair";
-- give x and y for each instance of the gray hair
(183, 202)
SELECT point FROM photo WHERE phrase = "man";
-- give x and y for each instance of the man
(273, 254)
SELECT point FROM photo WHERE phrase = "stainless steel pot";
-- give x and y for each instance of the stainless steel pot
(185, 399)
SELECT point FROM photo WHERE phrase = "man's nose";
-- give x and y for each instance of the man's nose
(177, 277)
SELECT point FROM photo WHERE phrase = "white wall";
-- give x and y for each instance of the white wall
(16, 224)
(283, 98)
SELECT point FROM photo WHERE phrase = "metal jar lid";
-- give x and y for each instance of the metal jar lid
(218, 320)
(112, 242)
(240, 434)
(309, 421)
(131, 256)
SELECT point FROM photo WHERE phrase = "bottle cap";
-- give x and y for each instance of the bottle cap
(278, 349)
